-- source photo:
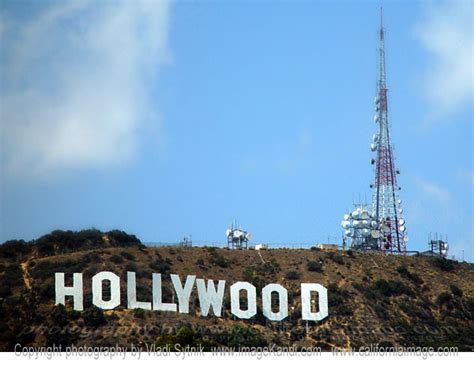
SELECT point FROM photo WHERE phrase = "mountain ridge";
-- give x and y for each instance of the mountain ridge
(373, 298)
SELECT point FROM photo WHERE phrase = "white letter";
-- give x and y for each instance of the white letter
(132, 293)
(282, 301)
(210, 296)
(235, 300)
(183, 293)
(158, 304)
(75, 290)
(97, 281)
(306, 289)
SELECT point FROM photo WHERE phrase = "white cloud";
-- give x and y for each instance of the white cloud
(434, 192)
(76, 82)
(446, 33)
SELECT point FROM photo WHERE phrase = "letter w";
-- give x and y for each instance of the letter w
(210, 297)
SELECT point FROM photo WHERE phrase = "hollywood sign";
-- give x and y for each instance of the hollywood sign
(209, 296)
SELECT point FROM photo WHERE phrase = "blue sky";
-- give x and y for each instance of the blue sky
(168, 119)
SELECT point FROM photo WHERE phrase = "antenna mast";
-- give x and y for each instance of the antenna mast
(385, 203)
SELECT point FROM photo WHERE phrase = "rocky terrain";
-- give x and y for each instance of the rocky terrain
(373, 298)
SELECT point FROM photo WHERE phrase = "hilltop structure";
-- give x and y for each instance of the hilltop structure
(382, 226)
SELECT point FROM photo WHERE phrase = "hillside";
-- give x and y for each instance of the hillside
(373, 298)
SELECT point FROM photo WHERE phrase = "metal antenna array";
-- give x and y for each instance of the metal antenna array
(237, 238)
(381, 227)
(385, 201)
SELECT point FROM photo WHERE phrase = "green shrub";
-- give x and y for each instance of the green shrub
(244, 337)
(128, 256)
(13, 248)
(117, 259)
(443, 264)
(392, 288)
(248, 274)
(94, 316)
(59, 316)
(337, 258)
(381, 311)
(292, 275)
(13, 276)
(443, 298)
(139, 312)
(218, 259)
(161, 266)
(200, 263)
(5, 290)
(46, 291)
(270, 267)
(314, 266)
(456, 290)
(403, 271)
(184, 337)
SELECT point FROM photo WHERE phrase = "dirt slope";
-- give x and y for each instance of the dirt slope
(373, 298)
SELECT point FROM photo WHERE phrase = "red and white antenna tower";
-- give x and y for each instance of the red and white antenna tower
(386, 208)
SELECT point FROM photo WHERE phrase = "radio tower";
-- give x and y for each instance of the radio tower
(386, 208)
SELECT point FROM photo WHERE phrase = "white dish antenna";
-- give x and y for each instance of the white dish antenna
(228, 232)
(402, 229)
(401, 222)
(346, 216)
(375, 234)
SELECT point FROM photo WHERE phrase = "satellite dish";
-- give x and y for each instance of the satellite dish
(248, 236)
(399, 201)
(355, 214)
(400, 210)
(345, 224)
(373, 147)
(374, 224)
(385, 228)
(228, 232)
(365, 223)
(375, 234)
(355, 223)
(376, 118)
(237, 233)
(376, 99)
(402, 228)
(401, 222)
(375, 137)
(346, 216)
(405, 238)
(347, 232)
(366, 232)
